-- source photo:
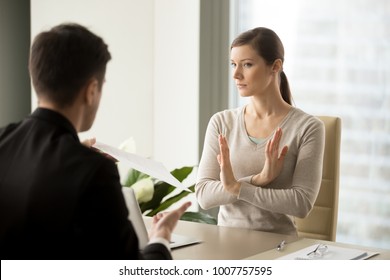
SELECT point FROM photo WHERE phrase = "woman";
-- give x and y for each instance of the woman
(261, 163)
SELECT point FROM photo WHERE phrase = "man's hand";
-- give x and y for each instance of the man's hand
(89, 142)
(164, 223)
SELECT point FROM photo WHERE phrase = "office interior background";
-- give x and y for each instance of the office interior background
(170, 73)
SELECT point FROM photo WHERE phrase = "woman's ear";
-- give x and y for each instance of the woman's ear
(277, 66)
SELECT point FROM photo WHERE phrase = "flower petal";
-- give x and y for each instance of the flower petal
(144, 190)
(128, 146)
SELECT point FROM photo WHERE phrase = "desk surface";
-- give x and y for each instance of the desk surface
(306, 242)
(224, 243)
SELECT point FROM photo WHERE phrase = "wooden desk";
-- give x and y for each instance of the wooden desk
(223, 243)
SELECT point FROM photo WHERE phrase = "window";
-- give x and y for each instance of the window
(337, 60)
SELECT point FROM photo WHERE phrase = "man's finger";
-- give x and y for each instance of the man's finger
(184, 207)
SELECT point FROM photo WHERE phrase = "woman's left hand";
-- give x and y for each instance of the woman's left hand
(227, 177)
(273, 161)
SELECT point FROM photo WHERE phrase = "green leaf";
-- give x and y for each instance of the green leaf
(198, 217)
(134, 176)
(182, 173)
(164, 205)
(161, 189)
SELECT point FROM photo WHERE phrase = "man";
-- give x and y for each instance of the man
(58, 198)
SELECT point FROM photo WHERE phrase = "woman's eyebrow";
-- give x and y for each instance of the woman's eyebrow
(244, 59)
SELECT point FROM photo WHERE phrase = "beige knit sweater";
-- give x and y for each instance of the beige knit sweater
(267, 208)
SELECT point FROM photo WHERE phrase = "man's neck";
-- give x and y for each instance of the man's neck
(72, 113)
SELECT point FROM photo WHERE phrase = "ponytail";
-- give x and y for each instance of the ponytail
(285, 88)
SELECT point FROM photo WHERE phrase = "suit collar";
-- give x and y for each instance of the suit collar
(56, 119)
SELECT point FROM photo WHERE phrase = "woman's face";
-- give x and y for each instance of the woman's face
(250, 72)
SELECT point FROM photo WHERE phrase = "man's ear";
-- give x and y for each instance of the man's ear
(91, 90)
(277, 66)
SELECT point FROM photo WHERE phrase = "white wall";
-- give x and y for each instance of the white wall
(127, 26)
(176, 80)
(151, 90)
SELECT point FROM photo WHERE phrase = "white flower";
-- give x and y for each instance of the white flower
(128, 146)
(144, 190)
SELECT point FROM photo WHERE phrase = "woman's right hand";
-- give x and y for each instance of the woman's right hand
(273, 161)
(228, 180)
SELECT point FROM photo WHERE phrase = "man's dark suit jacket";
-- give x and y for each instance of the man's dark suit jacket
(60, 199)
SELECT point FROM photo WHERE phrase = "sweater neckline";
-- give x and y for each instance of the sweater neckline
(281, 125)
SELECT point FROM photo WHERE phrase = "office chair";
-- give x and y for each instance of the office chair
(321, 223)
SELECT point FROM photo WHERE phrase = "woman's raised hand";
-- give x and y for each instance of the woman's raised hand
(273, 161)
(226, 175)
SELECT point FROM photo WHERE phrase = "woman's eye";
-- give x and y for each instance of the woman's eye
(247, 65)
(233, 65)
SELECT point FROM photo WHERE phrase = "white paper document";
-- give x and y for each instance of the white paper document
(332, 253)
(150, 167)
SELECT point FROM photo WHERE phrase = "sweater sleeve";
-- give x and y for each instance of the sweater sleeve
(297, 199)
(209, 189)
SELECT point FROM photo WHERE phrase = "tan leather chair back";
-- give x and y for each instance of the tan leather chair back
(321, 223)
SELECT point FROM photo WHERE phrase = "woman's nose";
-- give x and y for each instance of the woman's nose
(237, 73)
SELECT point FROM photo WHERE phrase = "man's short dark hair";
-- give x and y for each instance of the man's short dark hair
(64, 59)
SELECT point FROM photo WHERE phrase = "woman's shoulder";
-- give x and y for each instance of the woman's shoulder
(304, 121)
(227, 115)
(302, 117)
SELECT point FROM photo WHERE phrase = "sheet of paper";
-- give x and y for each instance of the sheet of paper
(150, 167)
(333, 253)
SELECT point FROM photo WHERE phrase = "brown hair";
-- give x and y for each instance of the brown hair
(268, 45)
(63, 59)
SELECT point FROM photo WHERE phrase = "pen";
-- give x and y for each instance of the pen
(281, 245)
